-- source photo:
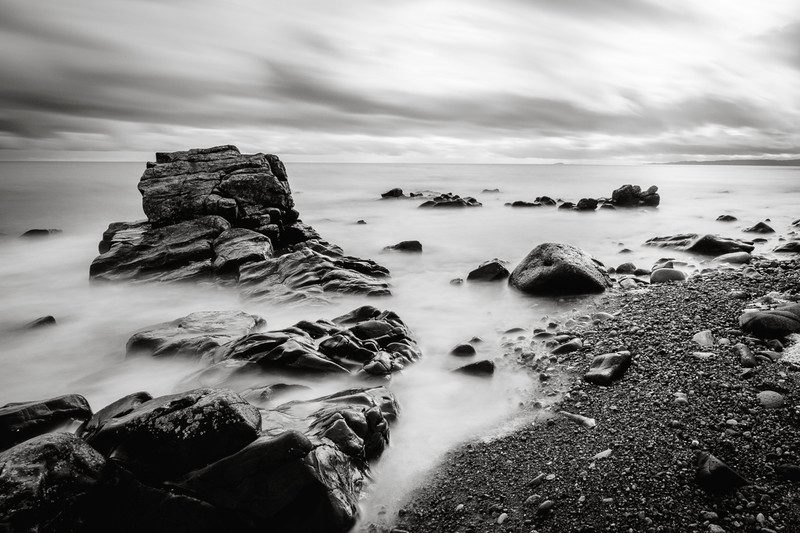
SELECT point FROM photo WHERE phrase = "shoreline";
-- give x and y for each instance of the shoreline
(635, 470)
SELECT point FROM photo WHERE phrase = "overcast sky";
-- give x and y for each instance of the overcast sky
(403, 80)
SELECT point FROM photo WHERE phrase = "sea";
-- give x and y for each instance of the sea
(85, 352)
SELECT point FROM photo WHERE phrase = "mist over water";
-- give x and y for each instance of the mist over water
(84, 353)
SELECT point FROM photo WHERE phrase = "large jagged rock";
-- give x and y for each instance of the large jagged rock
(23, 420)
(554, 268)
(218, 214)
(171, 435)
(702, 244)
(306, 472)
(772, 324)
(196, 334)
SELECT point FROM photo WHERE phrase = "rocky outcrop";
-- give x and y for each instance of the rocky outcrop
(554, 268)
(215, 213)
(171, 435)
(23, 420)
(702, 244)
(449, 199)
(633, 196)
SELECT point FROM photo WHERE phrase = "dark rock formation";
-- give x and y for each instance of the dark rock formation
(484, 368)
(492, 270)
(406, 246)
(554, 268)
(171, 435)
(463, 350)
(39, 233)
(116, 409)
(451, 200)
(196, 334)
(726, 218)
(772, 324)
(791, 247)
(215, 213)
(42, 321)
(608, 368)
(714, 476)
(586, 204)
(567, 205)
(761, 227)
(522, 203)
(633, 196)
(393, 193)
(23, 420)
(663, 275)
(626, 268)
(702, 244)
(305, 473)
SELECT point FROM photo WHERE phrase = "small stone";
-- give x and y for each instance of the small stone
(535, 482)
(502, 518)
(463, 350)
(770, 399)
(545, 506)
(459, 507)
(714, 528)
(704, 338)
(604, 454)
(582, 420)
(709, 515)
(550, 477)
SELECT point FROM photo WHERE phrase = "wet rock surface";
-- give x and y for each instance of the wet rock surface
(491, 270)
(220, 215)
(23, 420)
(702, 244)
(634, 468)
(554, 268)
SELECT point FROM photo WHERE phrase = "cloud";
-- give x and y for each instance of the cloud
(438, 80)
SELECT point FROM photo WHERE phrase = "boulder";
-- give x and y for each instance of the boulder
(663, 275)
(306, 472)
(197, 334)
(761, 227)
(734, 258)
(463, 350)
(393, 193)
(554, 268)
(626, 268)
(23, 420)
(57, 482)
(567, 205)
(491, 270)
(171, 435)
(633, 196)
(702, 244)
(116, 409)
(714, 476)
(586, 204)
(608, 368)
(770, 399)
(726, 218)
(791, 247)
(39, 233)
(406, 246)
(772, 324)
(522, 203)
(451, 200)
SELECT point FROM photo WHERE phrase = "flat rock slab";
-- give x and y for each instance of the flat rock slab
(702, 244)
(554, 268)
(196, 334)
(21, 421)
(608, 368)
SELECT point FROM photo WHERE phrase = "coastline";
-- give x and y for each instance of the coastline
(635, 471)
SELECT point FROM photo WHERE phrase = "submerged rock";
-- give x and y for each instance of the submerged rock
(491, 270)
(23, 420)
(393, 193)
(217, 214)
(761, 227)
(726, 218)
(39, 233)
(484, 368)
(633, 196)
(451, 200)
(702, 244)
(41, 322)
(554, 268)
(406, 246)
(791, 247)
(196, 334)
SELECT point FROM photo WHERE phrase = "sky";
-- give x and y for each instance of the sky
(506, 81)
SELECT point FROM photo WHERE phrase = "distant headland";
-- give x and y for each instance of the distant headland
(750, 162)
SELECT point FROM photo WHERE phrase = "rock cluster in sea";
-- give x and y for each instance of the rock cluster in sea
(625, 196)
(214, 213)
(209, 459)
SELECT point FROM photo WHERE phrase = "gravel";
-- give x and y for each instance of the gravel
(634, 470)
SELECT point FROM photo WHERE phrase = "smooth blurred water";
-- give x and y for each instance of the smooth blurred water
(84, 353)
